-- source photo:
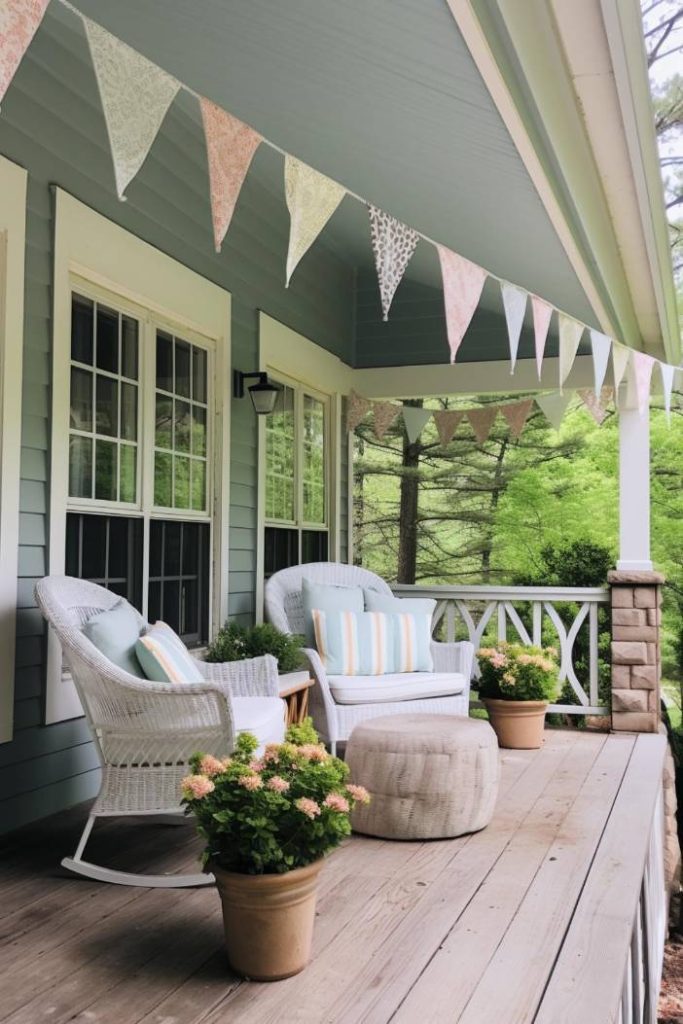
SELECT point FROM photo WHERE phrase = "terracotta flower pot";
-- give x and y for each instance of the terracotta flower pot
(518, 724)
(268, 920)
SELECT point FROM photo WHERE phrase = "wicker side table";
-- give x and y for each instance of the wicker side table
(430, 776)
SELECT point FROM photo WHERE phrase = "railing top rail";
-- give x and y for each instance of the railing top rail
(494, 593)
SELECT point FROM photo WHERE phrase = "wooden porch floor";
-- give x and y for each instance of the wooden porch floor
(529, 920)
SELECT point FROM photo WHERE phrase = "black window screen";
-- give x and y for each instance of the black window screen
(106, 550)
(179, 577)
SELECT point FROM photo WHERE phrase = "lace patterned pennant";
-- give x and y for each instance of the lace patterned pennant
(393, 244)
(643, 365)
(463, 282)
(383, 415)
(482, 421)
(447, 422)
(596, 405)
(356, 409)
(516, 414)
(230, 147)
(19, 20)
(311, 200)
(135, 94)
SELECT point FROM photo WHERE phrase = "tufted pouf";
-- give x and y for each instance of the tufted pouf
(430, 776)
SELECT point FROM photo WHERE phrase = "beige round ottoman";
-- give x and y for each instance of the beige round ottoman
(430, 776)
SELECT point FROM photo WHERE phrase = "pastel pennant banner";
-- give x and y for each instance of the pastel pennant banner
(516, 414)
(570, 339)
(620, 361)
(667, 373)
(554, 406)
(19, 21)
(136, 95)
(230, 147)
(462, 286)
(596, 403)
(514, 303)
(415, 419)
(601, 346)
(542, 311)
(384, 414)
(482, 420)
(447, 422)
(643, 365)
(356, 409)
(393, 245)
(311, 200)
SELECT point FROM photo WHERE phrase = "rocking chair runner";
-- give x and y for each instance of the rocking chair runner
(146, 732)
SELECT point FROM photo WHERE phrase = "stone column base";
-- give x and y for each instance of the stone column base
(636, 599)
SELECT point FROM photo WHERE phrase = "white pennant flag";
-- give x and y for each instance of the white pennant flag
(311, 200)
(415, 419)
(667, 373)
(136, 95)
(543, 312)
(601, 346)
(620, 361)
(393, 245)
(514, 301)
(570, 339)
(554, 406)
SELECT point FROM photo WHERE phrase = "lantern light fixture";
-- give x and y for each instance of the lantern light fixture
(263, 393)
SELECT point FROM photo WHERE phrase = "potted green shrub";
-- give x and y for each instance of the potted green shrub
(516, 684)
(268, 823)
(235, 642)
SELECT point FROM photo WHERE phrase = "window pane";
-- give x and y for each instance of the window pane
(199, 389)
(181, 488)
(94, 547)
(105, 470)
(164, 361)
(171, 601)
(129, 412)
(82, 317)
(183, 426)
(313, 470)
(155, 547)
(172, 536)
(80, 467)
(81, 399)
(164, 422)
(280, 449)
(198, 430)
(107, 397)
(106, 550)
(182, 368)
(314, 545)
(127, 469)
(163, 480)
(129, 347)
(198, 485)
(154, 612)
(281, 549)
(107, 339)
(180, 594)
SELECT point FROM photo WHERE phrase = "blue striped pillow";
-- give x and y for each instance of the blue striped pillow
(354, 643)
(165, 658)
(412, 641)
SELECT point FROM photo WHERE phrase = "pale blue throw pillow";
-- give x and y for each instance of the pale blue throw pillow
(115, 634)
(165, 658)
(327, 598)
(375, 602)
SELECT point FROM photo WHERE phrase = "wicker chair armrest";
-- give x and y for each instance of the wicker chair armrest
(254, 677)
(454, 657)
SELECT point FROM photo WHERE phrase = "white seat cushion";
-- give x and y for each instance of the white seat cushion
(262, 716)
(395, 686)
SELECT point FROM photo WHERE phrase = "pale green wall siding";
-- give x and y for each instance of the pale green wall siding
(52, 124)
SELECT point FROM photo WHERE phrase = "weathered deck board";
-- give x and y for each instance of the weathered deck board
(481, 929)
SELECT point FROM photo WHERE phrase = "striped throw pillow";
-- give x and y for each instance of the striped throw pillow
(412, 641)
(354, 643)
(165, 658)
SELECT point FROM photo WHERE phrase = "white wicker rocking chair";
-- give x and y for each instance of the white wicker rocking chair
(334, 721)
(146, 732)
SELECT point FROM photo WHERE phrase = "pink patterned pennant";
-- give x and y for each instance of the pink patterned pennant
(463, 282)
(447, 422)
(383, 414)
(597, 406)
(543, 311)
(230, 146)
(19, 20)
(643, 365)
(482, 421)
(393, 244)
(516, 414)
(356, 409)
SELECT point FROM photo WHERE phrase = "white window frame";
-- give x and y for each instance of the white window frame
(13, 182)
(95, 257)
(288, 356)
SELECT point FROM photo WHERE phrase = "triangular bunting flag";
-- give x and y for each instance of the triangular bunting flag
(620, 360)
(415, 419)
(393, 245)
(311, 200)
(596, 405)
(554, 406)
(601, 346)
(643, 365)
(570, 339)
(447, 422)
(543, 311)
(19, 20)
(383, 415)
(667, 373)
(462, 286)
(136, 95)
(482, 421)
(356, 409)
(516, 414)
(514, 302)
(230, 147)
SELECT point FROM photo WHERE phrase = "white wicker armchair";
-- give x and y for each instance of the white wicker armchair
(146, 732)
(333, 720)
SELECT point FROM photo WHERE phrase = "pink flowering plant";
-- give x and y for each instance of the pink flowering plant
(517, 672)
(271, 813)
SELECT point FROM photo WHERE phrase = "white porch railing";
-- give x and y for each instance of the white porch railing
(476, 607)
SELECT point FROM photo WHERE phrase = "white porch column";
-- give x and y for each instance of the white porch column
(634, 490)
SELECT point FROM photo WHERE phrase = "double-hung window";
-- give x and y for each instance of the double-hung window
(297, 486)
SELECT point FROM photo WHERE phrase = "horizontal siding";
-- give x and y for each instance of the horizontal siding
(52, 124)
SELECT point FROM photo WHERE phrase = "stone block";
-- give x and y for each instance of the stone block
(636, 577)
(631, 616)
(622, 597)
(629, 700)
(654, 616)
(631, 721)
(629, 652)
(653, 699)
(645, 597)
(644, 677)
(621, 677)
(652, 654)
(646, 633)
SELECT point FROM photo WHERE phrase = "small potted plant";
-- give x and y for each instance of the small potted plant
(516, 684)
(235, 642)
(268, 821)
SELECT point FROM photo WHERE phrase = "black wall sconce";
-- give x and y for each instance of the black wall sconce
(263, 394)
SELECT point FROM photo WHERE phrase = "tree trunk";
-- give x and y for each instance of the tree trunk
(499, 484)
(407, 523)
